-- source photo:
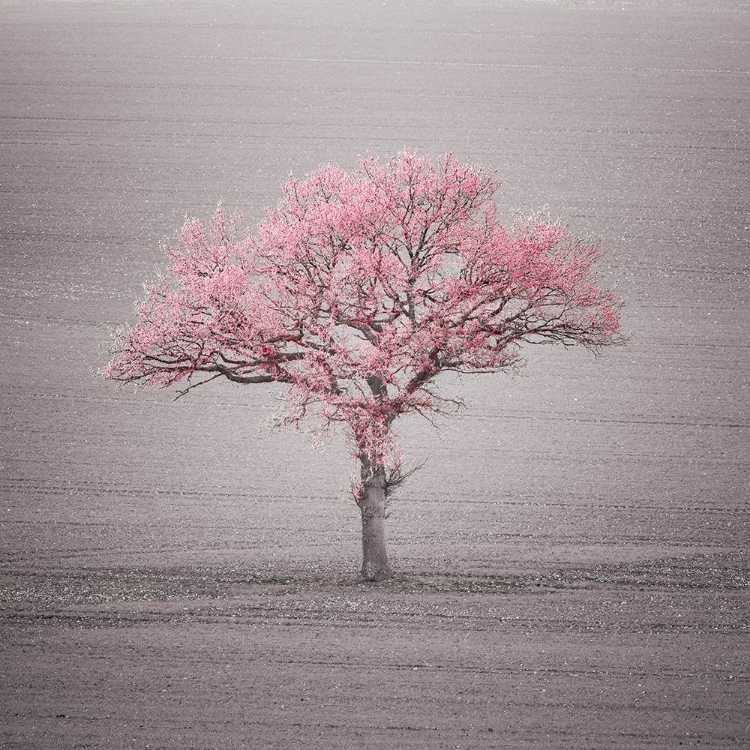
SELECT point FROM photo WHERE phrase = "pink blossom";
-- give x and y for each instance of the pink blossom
(359, 289)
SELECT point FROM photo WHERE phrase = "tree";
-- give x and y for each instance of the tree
(356, 292)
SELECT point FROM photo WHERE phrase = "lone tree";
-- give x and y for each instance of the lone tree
(356, 292)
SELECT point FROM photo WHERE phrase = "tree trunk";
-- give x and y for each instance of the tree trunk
(375, 565)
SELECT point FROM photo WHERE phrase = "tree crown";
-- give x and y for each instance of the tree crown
(359, 288)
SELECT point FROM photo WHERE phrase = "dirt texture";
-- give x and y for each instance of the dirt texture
(572, 565)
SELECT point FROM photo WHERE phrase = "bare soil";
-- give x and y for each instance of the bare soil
(572, 561)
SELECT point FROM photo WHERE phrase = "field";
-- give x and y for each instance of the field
(572, 560)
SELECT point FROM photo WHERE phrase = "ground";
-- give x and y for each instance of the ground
(572, 560)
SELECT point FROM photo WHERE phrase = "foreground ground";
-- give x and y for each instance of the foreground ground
(620, 656)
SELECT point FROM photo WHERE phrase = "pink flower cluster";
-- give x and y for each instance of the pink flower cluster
(358, 289)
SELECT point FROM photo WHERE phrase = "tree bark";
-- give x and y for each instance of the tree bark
(375, 565)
